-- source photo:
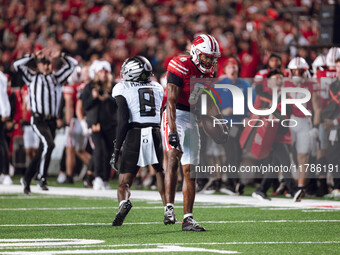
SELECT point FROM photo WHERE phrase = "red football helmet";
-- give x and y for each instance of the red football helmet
(206, 45)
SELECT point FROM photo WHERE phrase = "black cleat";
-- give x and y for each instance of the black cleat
(26, 186)
(189, 224)
(239, 188)
(88, 181)
(169, 216)
(42, 184)
(299, 195)
(122, 212)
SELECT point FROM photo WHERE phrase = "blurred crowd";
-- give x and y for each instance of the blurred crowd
(158, 29)
(101, 34)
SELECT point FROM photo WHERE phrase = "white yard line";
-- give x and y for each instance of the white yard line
(159, 249)
(72, 244)
(115, 208)
(200, 198)
(148, 223)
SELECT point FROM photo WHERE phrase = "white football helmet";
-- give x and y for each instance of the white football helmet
(299, 64)
(137, 68)
(332, 55)
(207, 45)
(319, 62)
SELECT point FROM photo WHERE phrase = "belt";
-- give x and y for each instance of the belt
(143, 125)
(181, 107)
(43, 117)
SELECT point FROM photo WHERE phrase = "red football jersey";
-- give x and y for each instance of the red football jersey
(324, 80)
(74, 90)
(183, 67)
(25, 97)
(307, 85)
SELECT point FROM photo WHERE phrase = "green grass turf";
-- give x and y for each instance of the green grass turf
(158, 233)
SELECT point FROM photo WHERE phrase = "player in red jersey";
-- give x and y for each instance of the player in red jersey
(324, 76)
(180, 129)
(76, 141)
(303, 134)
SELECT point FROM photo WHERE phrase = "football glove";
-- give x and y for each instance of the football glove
(173, 139)
(114, 159)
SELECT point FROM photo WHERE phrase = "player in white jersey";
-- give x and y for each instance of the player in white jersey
(139, 103)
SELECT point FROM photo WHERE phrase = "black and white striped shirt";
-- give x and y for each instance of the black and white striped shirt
(44, 89)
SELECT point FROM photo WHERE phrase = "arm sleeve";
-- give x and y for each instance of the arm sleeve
(174, 79)
(20, 65)
(5, 107)
(123, 121)
(63, 73)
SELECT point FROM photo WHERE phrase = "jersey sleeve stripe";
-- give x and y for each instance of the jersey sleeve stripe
(182, 67)
(170, 64)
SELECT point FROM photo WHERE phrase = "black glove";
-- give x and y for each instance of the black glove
(114, 159)
(173, 139)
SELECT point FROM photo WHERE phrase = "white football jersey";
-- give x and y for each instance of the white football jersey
(143, 99)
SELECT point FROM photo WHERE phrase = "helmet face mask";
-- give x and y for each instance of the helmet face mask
(205, 52)
(137, 68)
(207, 62)
(298, 70)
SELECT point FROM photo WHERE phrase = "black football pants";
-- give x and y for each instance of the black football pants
(45, 129)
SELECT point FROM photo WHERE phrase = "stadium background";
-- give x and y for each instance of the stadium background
(159, 30)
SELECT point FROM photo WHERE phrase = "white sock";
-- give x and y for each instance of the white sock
(121, 202)
(187, 215)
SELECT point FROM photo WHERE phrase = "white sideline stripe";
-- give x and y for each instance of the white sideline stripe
(159, 249)
(325, 210)
(107, 207)
(46, 242)
(148, 223)
(154, 196)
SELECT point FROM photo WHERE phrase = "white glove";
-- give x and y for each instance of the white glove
(85, 128)
(314, 133)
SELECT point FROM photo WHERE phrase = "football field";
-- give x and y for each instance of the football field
(69, 220)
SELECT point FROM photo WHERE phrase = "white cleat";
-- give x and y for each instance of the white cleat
(7, 180)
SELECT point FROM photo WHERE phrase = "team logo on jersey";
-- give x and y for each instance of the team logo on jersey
(183, 59)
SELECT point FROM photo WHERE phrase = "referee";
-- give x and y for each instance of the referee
(44, 85)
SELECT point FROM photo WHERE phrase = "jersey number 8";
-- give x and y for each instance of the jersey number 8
(147, 102)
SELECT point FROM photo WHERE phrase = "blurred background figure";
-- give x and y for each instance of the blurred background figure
(330, 122)
(233, 148)
(100, 110)
(5, 111)
(303, 135)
